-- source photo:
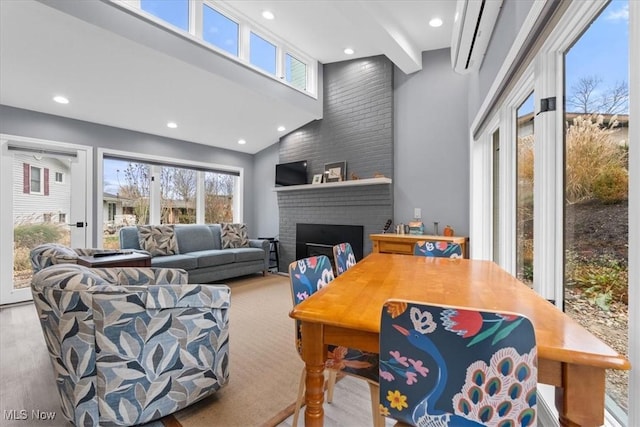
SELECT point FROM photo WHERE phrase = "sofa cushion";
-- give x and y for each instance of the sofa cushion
(158, 240)
(247, 254)
(216, 230)
(129, 238)
(213, 257)
(234, 236)
(194, 237)
(184, 261)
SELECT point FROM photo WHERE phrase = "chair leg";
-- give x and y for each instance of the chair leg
(378, 420)
(300, 399)
(331, 382)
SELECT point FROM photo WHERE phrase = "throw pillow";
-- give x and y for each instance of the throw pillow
(158, 240)
(234, 236)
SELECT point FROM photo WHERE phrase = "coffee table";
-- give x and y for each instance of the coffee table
(118, 259)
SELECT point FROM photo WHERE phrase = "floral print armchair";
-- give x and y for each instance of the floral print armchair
(130, 345)
(448, 366)
(48, 254)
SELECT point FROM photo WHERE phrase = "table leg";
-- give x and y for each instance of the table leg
(581, 401)
(313, 354)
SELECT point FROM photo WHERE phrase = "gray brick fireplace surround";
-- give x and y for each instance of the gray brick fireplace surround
(357, 127)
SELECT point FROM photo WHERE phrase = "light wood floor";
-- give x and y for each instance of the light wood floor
(351, 406)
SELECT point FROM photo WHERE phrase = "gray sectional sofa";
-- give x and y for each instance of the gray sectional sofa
(200, 253)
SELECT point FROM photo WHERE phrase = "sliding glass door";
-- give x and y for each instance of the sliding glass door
(596, 177)
(564, 190)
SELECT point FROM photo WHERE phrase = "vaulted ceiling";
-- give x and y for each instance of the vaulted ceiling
(121, 82)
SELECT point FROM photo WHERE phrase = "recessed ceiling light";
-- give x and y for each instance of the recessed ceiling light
(435, 22)
(172, 125)
(349, 51)
(61, 99)
(267, 14)
(242, 141)
(281, 128)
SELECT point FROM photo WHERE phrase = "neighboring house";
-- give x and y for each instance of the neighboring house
(117, 211)
(43, 194)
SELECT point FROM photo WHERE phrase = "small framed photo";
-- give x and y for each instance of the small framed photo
(317, 179)
(335, 172)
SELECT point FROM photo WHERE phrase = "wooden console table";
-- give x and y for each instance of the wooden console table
(403, 243)
(131, 259)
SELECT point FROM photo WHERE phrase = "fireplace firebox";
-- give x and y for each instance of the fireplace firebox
(318, 239)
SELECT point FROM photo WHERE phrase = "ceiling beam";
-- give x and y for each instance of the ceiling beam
(386, 33)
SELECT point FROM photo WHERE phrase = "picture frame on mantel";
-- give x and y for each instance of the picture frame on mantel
(317, 179)
(335, 172)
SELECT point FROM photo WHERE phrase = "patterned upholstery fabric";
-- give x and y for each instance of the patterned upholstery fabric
(234, 236)
(446, 366)
(158, 240)
(49, 254)
(308, 276)
(437, 249)
(343, 257)
(130, 345)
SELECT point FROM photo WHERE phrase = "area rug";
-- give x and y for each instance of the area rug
(264, 366)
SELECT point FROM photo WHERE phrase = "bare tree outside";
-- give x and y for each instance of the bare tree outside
(218, 197)
(136, 190)
(588, 96)
(178, 190)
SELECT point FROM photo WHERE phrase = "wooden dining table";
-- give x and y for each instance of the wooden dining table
(347, 312)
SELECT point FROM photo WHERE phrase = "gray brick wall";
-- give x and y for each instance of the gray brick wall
(357, 128)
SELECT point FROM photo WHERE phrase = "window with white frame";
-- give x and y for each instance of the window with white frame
(174, 12)
(581, 170)
(220, 30)
(59, 177)
(219, 27)
(167, 193)
(36, 175)
(295, 72)
(262, 53)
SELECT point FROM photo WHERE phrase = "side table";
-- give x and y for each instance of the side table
(118, 259)
(391, 243)
(274, 258)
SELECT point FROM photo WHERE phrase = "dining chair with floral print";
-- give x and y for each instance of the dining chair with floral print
(343, 257)
(437, 248)
(452, 366)
(307, 276)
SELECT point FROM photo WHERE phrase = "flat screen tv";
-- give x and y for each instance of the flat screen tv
(294, 173)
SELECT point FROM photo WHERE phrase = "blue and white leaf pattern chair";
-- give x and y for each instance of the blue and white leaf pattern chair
(343, 257)
(48, 254)
(447, 366)
(439, 249)
(130, 345)
(308, 276)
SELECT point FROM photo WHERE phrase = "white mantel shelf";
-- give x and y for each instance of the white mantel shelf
(327, 185)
